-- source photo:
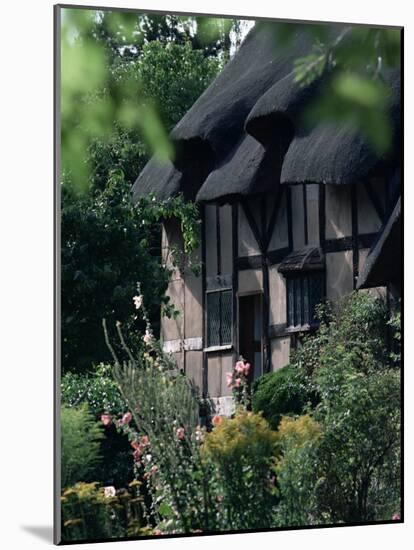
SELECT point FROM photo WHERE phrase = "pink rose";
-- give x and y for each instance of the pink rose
(237, 382)
(216, 420)
(239, 367)
(246, 368)
(137, 454)
(153, 470)
(156, 532)
(396, 517)
(147, 337)
(180, 433)
(144, 440)
(106, 419)
(126, 419)
(229, 379)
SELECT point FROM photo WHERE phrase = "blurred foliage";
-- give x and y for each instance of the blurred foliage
(130, 73)
(90, 514)
(146, 73)
(80, 439)
(353, 65)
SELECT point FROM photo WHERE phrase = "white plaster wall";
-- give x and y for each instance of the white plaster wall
(250, 280)
(368, 220)
(279, 237)
(312, 196)
(339, 275)
(247, 243)
(298, 217)
(277, 291)
(226, 239)
(211, 240)
(280, 349)
(338, 211)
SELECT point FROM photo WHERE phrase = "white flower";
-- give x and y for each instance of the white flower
(137, 301)
(109, 491)
(147, 337)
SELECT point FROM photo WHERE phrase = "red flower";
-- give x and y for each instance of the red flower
(180, 433)
(216, 420)
(106, 419)
(239, 367)
(126, 419)
(137, 454)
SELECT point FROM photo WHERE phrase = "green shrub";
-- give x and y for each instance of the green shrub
(359, 456)
(298, 441)
(243, 451)
(100, 392)
(96, 388)
(280, 393)
(355, 465)
(80, 440)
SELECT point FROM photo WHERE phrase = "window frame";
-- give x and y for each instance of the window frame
(300, 304)
(221, 345)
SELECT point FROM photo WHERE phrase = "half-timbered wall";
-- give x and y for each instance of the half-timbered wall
(183, 335)
(242, 247)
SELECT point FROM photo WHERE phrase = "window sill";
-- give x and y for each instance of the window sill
(301, 328)
(211, 349)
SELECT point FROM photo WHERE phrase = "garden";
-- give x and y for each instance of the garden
(315, 443)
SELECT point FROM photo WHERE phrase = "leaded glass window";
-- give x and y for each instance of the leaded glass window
(219, 317)
(305, 290)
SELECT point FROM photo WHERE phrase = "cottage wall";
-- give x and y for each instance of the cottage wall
(342, 220)
(182, 336)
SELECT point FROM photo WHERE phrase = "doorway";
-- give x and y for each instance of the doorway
(250, 332)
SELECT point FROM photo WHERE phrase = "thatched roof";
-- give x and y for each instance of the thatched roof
(245, 171)
(162, 179)
(384, 261)
(251, 112)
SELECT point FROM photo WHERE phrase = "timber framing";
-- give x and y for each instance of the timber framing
(204, 375)
(355, 248)
(375, 201)
(235, 274)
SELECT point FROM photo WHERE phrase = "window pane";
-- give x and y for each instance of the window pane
(213, 319)
(298, 302)
(316, 291)
(290, 292)
(226, 316)
(305, 293)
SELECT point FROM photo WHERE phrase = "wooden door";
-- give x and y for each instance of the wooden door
(250, 332)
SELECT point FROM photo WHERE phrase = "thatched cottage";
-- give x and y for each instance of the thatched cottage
(290, 214)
